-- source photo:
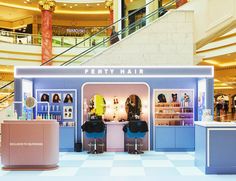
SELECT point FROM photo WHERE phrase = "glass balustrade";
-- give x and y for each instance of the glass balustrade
(57, 41)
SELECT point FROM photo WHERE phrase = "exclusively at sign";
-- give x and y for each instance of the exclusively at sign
(26, 144)
(107, 71)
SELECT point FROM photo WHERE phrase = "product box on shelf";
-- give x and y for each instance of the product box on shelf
(173, 107)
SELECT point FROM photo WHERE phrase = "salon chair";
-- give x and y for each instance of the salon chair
(94, 129)
(136, 129)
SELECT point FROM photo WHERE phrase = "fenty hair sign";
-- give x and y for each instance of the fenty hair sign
(107, 71)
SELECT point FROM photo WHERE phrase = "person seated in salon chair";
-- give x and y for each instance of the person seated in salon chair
(135, 129)
(132, 125)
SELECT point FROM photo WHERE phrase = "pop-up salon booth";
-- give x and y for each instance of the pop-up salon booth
(115, 109)
(168, 99)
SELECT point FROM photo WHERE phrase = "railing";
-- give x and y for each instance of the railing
(122, 33)
(57, 41)
(128, 28)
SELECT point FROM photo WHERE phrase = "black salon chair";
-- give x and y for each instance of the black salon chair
(94, 129)
(136, 129)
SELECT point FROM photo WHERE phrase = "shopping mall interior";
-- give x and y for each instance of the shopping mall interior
(169, 63)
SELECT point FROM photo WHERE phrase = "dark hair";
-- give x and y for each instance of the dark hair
(46, 97)
(54, 98)
(161, 98)
(174, 97)
(66, 100)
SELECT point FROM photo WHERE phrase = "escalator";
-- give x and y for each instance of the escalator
(102, 44)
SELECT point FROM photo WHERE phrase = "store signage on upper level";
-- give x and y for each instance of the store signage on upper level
(112, 71)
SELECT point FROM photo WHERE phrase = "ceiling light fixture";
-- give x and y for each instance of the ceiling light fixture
(76, 4)
(64, 4)
(71, 7)
(98, 4)
(87, 4)
(227, 87)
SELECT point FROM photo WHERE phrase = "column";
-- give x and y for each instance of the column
(47, 7)
(151, 8)
(35, 30)
(180, 3)
(111, 16)
(109, 5)
(230, 102)
(117, 15)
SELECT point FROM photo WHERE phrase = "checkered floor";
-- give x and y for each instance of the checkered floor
(149, 166)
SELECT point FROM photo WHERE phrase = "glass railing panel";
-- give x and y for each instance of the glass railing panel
(118, 35)
(6, 93)
(57, 41)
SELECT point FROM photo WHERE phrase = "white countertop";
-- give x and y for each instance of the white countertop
(51, 121)
(116, 122)
(215, 124)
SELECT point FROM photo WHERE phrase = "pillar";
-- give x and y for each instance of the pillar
(151, 8)
(230, 102)
(109, 5)
(35, 30)
(111, 16)
(180, 3)
(117, 15)
(47, 7)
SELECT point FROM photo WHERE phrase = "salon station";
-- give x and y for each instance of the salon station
(119, 109)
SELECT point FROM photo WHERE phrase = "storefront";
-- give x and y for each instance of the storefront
(169, 99)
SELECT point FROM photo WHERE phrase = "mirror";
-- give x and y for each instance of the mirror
(133, 107)
(30, 102)
(97, 106)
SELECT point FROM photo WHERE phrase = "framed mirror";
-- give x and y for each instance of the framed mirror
(97, 107)
(30, 102)
(133, 107)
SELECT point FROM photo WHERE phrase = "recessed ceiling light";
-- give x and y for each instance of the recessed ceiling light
(25, 2)
(87, 4)
(76, 4)
(71, 7)
(98, 4)
(28, 0)
(64, 4)
(131, 1)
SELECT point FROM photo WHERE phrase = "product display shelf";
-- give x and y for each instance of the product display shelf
(57, 110)
(173, 114)
(174, 119)
(170, 107)
(174, 127)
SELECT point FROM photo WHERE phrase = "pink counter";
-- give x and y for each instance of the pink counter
(30, 144)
